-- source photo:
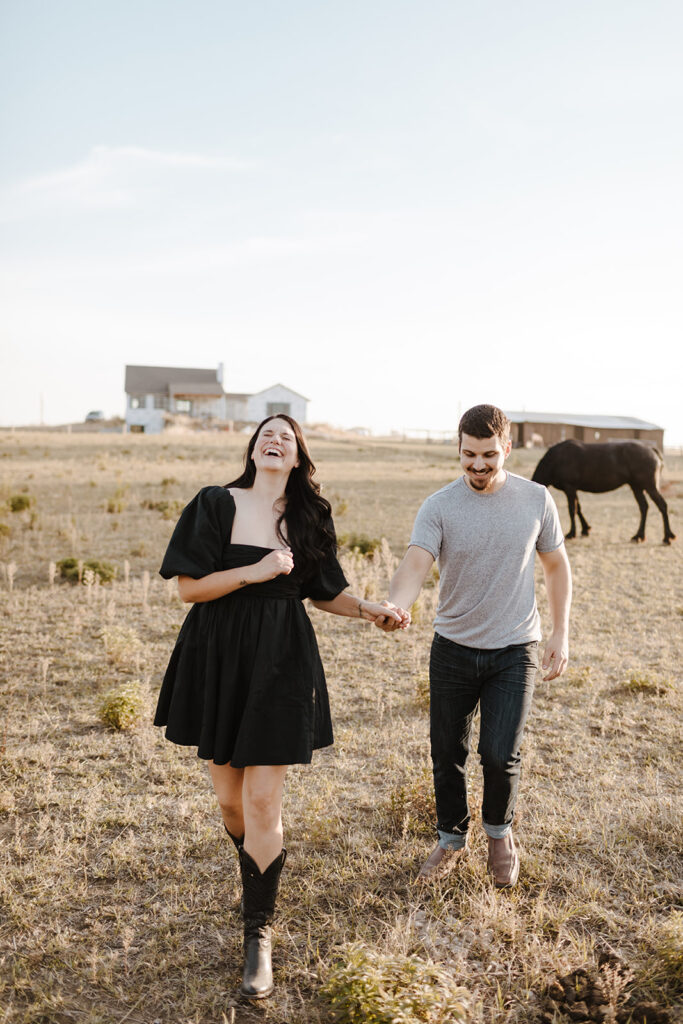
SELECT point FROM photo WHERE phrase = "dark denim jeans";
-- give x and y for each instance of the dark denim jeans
(501, 682)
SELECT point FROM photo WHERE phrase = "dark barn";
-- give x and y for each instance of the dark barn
(543, 429)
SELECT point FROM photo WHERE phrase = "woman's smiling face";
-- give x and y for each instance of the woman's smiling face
(276, 447)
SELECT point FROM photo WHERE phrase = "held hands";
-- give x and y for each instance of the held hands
(391, 617)
(555, 656)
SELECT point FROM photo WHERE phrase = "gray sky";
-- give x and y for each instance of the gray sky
(397, 209)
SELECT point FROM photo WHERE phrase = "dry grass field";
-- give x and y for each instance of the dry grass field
(118, 888)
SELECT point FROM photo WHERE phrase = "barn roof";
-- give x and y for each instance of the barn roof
(159, 380)
(582, 420)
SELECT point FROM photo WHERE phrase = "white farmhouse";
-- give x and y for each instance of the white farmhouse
(274, 400)
(155, 392)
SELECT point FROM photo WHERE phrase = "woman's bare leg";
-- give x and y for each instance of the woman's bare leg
(228, 783)
(262, 804)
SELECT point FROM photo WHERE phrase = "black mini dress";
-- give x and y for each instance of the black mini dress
(245, 683)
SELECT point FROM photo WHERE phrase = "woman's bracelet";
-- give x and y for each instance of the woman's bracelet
(360, 610)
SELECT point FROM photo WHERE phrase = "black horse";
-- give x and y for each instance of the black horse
(573, 466)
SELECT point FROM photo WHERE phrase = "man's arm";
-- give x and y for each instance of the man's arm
(407, 582)
(558, 583)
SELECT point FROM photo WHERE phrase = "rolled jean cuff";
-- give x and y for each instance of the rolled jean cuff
(452, 840)
(497, 831)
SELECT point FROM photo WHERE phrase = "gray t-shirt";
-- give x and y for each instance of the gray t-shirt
(484, 545)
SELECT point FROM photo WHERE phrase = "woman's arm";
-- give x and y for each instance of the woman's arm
(357, 608)
(218, 584)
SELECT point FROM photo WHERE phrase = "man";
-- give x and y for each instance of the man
(483, 530)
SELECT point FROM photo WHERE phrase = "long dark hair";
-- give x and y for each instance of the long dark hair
(308, 515)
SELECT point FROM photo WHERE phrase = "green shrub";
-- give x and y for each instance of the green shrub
(648, 684)
(670, 949)
(367, 987)
(71, 569)
(123, 707)
(5, 530)
(170, 509)
(19, 502)
(579, 676)
(411, 807)
(417, 611)
(360, 542)
(422, 697)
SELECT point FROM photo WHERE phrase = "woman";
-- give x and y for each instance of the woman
(245, 683)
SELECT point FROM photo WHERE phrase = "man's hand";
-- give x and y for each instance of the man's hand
(555, 656)
(388, 623)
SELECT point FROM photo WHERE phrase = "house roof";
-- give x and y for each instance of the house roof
(158, 380)
(195, 388)
(284, 388)
(576, 420)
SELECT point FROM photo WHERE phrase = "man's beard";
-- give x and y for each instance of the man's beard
(480, 481)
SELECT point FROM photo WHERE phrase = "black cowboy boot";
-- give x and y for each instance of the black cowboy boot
(236, 841)
(238, 847)
(260, 892)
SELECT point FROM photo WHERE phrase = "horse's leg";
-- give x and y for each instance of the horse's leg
(585, 528)
(642, 505)
(669, 535)
(571, 504)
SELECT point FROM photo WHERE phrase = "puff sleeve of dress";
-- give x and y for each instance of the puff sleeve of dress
(200, 535)
(328, 581)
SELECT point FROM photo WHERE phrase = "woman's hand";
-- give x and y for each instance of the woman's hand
(225, 581)
(277, 563)
(385, 615)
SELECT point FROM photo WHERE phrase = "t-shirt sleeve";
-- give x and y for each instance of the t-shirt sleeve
(550, 537)
(329, 579)
(427, 532)
(196, 545)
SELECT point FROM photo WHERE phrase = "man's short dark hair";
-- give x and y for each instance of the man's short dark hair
(484, 421)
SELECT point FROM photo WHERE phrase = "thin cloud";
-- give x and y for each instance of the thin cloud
(110, 177)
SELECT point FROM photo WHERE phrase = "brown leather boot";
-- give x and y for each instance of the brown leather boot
(439, 863)
(503, 862)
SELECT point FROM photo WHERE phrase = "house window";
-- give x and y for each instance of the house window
(275, 408)
(183, 405)
(137, 401)
(597, 435)
(161, 401)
